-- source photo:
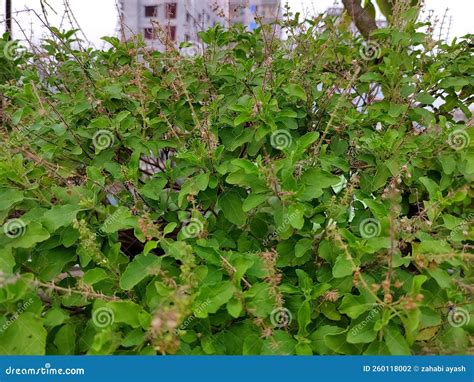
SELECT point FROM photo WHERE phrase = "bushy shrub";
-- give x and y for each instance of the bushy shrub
(309, 195)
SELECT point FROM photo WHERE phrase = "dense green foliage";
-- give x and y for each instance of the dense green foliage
(317, 198)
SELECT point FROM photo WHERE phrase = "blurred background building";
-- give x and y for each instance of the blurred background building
(181, 20)
(246, 12)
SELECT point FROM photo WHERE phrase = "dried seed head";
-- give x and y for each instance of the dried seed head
(388, 298)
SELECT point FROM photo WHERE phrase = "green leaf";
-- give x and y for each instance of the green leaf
(362, 329)
(232, 207)
(55, 317)
(95, 275)
(377, 348)
(319, 178)
(371, 77)
(215, 296)
(354, 306)
(152, 188)
(170, 227)
(52, 262)
(260, 300)
(296, 215)
(454, 82)
(338, 344)
(307, 139)
(126, 312)
(65, 340)
(431, 186)
(234, 307)
(427, 333)
(25, 336)
(59, 216)
(33, 233)
(142, 266)
(280, 343)
(385, 7)
(9, 197)
(329, 310)
(295, 90)
(342, 267)
(202, 181)
(7, 261)
(253, 200)
(304, 281)
(303, 246)
(425, 98)
(441, 277)
(396, 343)
(120, 219)
(317, 338)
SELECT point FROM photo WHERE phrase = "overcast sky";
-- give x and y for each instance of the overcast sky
(99, 18)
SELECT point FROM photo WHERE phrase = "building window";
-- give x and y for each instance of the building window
(151, 11)
(171, 32)
(148, 33)
(188, 17)
(171, 10)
